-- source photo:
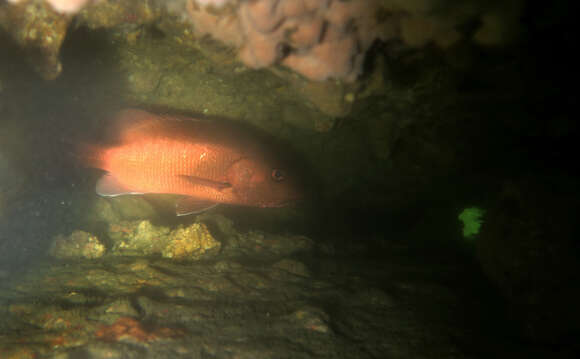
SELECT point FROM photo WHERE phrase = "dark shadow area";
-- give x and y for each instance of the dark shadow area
(41, 121)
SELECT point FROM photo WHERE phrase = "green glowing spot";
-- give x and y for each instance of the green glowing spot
(471, 219)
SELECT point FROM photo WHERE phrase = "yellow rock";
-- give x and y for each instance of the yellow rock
(190, 242)
(79, 244)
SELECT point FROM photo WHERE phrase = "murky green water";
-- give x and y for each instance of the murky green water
(371, 264)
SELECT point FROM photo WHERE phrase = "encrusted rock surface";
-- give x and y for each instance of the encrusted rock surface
(325, 40)
(78, 245)
(262, 296)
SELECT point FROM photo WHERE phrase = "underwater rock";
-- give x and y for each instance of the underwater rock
(192, 242)
(130, 330)
(269, 244)
(40, 31)
(330, 97)
(141, 238)
(61, 6)
(122, 208)
(323, 41)
(133, 207)
(312, 319)
(137, 238)
(78, 244)
(196, 241)
(254, 242)
(119, 308)
(293, 267)
(222, 223)
(126, 16)
(9, 180)
(249, 306)
(499, 24)
(320, 40)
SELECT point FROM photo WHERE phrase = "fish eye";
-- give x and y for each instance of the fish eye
(277, 175)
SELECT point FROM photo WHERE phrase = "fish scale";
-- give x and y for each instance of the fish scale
(204, 161)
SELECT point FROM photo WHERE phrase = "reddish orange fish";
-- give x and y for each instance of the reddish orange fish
(208, 162)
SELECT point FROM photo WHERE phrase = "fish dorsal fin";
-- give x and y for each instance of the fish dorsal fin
(191, 205)
(133, 124)
(109, 186)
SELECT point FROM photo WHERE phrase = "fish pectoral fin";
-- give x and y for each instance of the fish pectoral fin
(109, 186)
(191, 205)
(206, 183)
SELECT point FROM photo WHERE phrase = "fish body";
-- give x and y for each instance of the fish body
(207, 162)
